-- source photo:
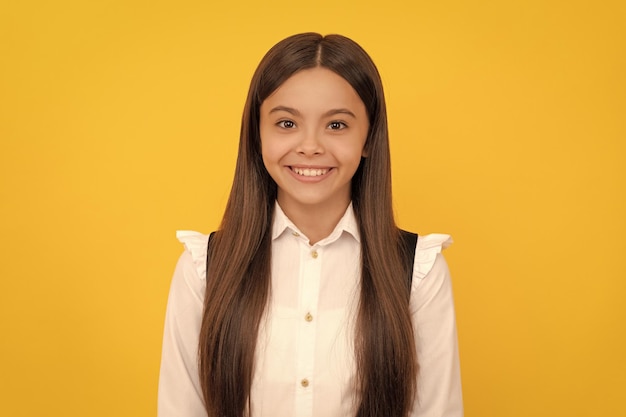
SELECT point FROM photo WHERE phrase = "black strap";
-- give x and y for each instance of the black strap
(409, 241)
(208, 252)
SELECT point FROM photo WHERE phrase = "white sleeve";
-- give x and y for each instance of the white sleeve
(179, 387)
(432, 308)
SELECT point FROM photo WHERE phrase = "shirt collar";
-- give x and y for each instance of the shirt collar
(347, 223)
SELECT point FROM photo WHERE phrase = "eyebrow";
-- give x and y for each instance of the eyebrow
(330, 112)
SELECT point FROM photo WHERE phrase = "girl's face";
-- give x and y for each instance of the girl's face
(313, 132)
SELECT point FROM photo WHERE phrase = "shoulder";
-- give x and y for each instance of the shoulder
(427, 258)
(195, 251)
(431, 285)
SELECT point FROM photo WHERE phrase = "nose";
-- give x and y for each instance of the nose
(310, 144)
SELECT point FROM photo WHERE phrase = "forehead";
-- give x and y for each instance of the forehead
(315, 88)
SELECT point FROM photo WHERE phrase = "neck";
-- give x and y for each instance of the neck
(316, 222)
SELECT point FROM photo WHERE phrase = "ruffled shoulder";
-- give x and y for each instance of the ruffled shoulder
(428, 246)
(196, 244)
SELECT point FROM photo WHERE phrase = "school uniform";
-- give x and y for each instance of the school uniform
(304, 360)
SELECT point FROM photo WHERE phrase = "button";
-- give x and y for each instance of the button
(314, 254)
(296, 234)
(308, 317)
(304, 382)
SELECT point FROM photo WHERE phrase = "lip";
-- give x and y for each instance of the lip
(309, 179)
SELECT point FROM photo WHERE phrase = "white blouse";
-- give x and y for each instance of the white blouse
(304, 360)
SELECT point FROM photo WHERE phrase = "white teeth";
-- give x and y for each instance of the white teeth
(309, 172)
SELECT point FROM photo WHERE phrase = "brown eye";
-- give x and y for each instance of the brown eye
(286, 124)
(337, 125)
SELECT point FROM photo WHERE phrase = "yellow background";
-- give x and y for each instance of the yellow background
(118, 125)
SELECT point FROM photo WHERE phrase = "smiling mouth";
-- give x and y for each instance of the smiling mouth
(309, 172)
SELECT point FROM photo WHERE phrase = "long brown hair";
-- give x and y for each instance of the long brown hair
(238, 276)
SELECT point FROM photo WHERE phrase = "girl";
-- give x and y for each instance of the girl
(306, 302)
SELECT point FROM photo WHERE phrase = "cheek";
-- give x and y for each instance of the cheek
(351, 158)
(271, 150)
(356, 150)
